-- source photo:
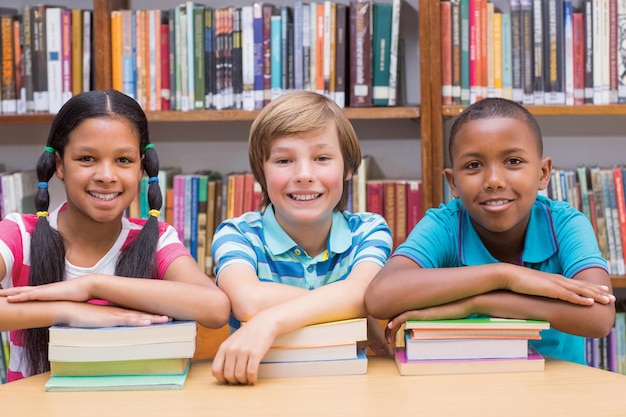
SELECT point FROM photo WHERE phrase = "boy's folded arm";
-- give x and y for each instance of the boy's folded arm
(248, 295)
(593, 320)
(402, 285)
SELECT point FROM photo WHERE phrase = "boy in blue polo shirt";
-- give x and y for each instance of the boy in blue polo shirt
(301, 259)
(499, 249)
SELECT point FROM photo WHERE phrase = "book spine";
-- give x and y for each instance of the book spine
(526, 28)
(380, 53)
(507, 57)
(237, 56)
(259, 62)
(589, 54)
(497, 54)
(77, 50)
(198, 56)
(568, 24)
(446, 52)
(8, 93)
(539, 64)
(360, 53)
(516, 50)
(612, 51)
(27, 31)
(53, 46)
(341, 49)
(66, 55)
(248, 58)
(621, 76)
(165, 61)
(465, 52)
(267, 11)
(276, 56)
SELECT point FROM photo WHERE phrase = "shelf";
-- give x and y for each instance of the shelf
(618, 282)
(369, 113)
(353, 113)
(538, 110)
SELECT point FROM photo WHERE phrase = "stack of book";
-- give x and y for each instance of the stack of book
(121, 358)
(318, 350)
(471, 345)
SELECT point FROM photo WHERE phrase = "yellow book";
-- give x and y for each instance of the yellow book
(497, 54)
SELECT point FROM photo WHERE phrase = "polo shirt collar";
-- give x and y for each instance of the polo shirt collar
(278, 241)
(540, 242)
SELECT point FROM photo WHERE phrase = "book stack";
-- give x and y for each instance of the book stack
(471, 345)
(318, 350)
(154, 357)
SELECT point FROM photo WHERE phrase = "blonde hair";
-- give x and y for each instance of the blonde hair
(301, 114)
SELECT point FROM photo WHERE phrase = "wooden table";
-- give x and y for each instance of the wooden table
(563, 389)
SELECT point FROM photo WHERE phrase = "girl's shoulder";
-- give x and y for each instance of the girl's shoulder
(134, 223)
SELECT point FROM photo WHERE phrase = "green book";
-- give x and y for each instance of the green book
(381, 41)
(478, 323)
(117, 382)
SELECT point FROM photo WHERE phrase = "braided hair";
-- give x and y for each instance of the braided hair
(47, 249)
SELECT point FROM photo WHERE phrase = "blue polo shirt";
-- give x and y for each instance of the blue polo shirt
(256, 239)
(559, 239)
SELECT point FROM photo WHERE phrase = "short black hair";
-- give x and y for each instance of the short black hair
(492, 108)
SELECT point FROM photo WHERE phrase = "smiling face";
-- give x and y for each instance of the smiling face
(305, 177)
(101, 169)
(496, 171)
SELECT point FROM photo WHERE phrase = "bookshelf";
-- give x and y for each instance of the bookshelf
(579, 116)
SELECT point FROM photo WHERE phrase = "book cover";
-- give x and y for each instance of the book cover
(356, 366)
(336, 332)
(341, 351)
(117, 382)
(122, 335)
(381, 38)
(155, 350)
(534, 362)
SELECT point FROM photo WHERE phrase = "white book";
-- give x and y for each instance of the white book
(569, 52)
(313, 37)
(306, 46)
(247, 57)
(87, 50)
(438, 349)
(53, 48)
(394, 49)
(298, 48)
(311, 353)
(336, 332)
(159, 350)
(153, 26)
(314, 368)
(190, 52)
(621, 50)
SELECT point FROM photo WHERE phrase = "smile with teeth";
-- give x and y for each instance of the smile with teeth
(496, 203)
(304, 197)
(105, 197)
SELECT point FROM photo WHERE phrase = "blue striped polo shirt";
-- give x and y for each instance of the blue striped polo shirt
(559, 240)
(256, 239)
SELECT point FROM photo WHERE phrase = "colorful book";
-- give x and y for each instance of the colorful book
(131, 367)
(117, 382)
(331, 333)
(478, 323)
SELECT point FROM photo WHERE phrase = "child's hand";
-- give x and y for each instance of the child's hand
(73, 290)
(90, 315)
(238, 357)
(376, 338)
(574, 291)
(456, 310)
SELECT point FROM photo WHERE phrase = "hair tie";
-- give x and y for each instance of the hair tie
(149, 146)
(153, 179)
(42, 214)
(48, 149)
(154, 213)
(42, 184)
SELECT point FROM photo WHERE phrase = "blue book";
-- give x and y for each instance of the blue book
(276, 83)
(257, 27)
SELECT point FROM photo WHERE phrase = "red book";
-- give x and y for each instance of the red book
(374, 191)
(414, 204)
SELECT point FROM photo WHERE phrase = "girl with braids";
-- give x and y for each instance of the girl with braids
(71, 266)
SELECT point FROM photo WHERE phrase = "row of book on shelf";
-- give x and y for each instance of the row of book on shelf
(46, 57)
(534, 51)
(599, 193)
(195, 56)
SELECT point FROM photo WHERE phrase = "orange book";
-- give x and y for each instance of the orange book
(116, 50)
(248, 192)
(77, 51)
(169, 206)
(389, 206)
(400, 234)
(140, 58)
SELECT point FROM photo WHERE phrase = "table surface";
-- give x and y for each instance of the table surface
(563, 389)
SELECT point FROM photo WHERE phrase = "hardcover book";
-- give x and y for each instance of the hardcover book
(356, 366)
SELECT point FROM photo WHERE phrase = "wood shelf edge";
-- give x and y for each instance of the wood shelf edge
(545, 110)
